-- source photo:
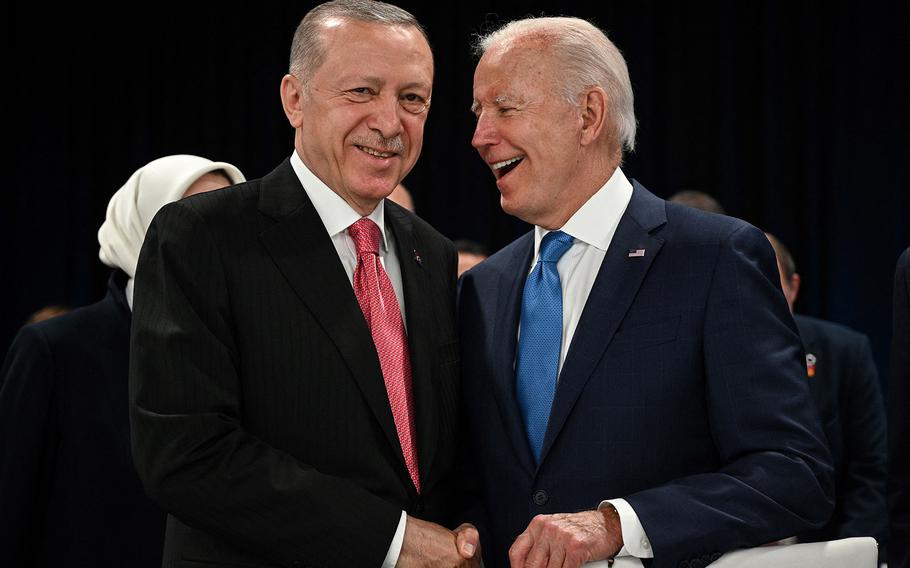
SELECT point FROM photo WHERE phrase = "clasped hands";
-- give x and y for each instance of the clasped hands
(562, 540)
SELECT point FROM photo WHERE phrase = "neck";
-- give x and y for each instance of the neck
(580, 191)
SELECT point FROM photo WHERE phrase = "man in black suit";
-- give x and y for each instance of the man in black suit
(294, 373)
(845, 387)
(899, 420)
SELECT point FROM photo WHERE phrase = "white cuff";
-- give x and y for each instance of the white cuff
(635, 541)
(391, 557)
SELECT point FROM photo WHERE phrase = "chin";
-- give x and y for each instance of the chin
(511, 208)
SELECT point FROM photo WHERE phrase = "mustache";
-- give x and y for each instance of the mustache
(381, 143)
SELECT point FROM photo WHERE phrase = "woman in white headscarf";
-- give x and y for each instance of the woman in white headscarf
(68, 490)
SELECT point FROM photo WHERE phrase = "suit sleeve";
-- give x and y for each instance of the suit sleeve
(775, 474)
(189, 443)
(27, 439)
(899, 419)
(862, 493)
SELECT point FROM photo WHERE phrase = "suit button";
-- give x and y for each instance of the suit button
(418, 508)
(540, 497)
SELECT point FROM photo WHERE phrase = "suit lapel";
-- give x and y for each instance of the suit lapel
(615, 287)
(505, 336)
(418, 307)
(297, 241)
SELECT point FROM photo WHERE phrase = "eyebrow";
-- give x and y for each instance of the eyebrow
(379, 81)
(499, 100)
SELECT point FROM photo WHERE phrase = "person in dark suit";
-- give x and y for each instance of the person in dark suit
(633, 380)
(69, 494)
(899, 420)
(844, 384)
(294, 375)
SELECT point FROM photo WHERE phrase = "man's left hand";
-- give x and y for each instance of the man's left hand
(567, 540)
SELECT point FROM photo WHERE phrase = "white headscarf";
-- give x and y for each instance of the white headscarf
(132, 208)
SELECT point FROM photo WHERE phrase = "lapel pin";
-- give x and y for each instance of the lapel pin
(635, 253)
(810, 364)
(417, 258)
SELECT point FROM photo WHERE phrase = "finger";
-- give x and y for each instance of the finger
(519, 550)
(467, 539)
(557, 557)
(539, 554)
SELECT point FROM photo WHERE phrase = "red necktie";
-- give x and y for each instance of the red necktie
(380, 308)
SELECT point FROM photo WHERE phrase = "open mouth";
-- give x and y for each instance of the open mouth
(375, 153)
(501, 169)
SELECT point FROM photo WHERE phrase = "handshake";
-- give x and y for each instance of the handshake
(568, 540)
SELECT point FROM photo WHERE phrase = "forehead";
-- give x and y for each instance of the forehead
(376, 50)
(512, 71)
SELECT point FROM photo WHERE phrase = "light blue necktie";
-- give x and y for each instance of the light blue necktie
(540, 339)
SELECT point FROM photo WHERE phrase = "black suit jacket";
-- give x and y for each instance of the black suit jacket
(844, 384)
(683, 391)
(899, 420)
(260, 416)
(69, 494)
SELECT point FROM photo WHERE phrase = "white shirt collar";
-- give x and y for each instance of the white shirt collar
(334, 211)
(596, 220)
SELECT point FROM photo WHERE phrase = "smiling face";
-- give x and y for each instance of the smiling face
(357, 129)
(527, 133)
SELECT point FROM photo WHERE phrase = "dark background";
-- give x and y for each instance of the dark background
(793, 114)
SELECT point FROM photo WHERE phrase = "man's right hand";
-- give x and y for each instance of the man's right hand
(429, 544)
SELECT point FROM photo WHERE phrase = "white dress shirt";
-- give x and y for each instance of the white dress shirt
(593, 227)
(337, 216)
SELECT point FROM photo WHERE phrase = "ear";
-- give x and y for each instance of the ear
(291, 99)
(794, 290)
(593, 115)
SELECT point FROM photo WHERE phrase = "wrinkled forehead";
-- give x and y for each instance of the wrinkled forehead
(507, 70)
(357, 38)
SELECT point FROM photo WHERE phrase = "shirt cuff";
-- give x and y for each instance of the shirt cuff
(635, 541)
(391, 557)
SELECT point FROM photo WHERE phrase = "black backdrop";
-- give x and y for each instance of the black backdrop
(793, 114)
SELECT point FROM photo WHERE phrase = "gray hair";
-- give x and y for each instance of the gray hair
(586, 57)
(308, 50)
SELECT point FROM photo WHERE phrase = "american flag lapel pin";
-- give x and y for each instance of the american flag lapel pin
(636, 253)
(417, 258)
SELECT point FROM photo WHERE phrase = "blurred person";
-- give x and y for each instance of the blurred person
(402, 196)
(470, 254)
(69, 494)
(294, 376)
(899, 420)
(844, 384)
(633, 379)
(698, 200)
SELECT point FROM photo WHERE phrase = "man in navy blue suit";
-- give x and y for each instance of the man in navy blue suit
(899, 419)
(844, 384)
(633, 378)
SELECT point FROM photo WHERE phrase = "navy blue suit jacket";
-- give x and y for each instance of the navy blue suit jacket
(69, 494)
(899, 420)
(845, 387)
(684, 392)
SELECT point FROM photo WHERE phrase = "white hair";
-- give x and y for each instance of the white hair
(586, 57)
(308, 49)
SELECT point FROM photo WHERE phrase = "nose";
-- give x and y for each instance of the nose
(485, 133)
(386, 117)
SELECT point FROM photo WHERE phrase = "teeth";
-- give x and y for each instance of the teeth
(505, 163)
(376, 153)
